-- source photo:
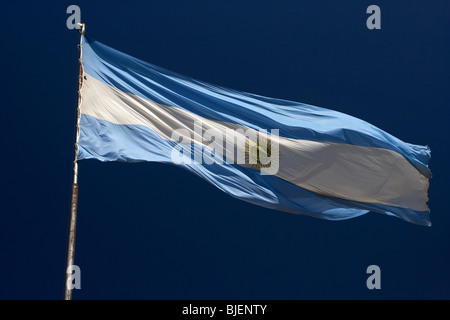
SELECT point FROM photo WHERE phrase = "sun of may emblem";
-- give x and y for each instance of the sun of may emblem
(261, 152)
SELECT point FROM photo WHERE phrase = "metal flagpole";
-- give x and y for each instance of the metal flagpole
(74, 201)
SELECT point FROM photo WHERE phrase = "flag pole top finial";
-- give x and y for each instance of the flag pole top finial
(82, 27)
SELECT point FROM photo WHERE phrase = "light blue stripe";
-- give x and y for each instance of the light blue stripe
(105, 141)
(293, 119)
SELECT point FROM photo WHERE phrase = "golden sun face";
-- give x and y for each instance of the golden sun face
(261, 153)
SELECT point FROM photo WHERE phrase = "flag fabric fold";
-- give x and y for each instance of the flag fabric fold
(321, 163)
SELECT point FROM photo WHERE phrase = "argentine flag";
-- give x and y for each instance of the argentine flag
(291, 157)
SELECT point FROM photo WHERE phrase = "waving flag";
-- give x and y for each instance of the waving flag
(274, 153)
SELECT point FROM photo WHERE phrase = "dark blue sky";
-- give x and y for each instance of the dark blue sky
(154, 231)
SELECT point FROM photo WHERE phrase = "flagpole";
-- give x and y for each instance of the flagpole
(74, 200)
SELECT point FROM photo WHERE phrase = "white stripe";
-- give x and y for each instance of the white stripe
(358, 173)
